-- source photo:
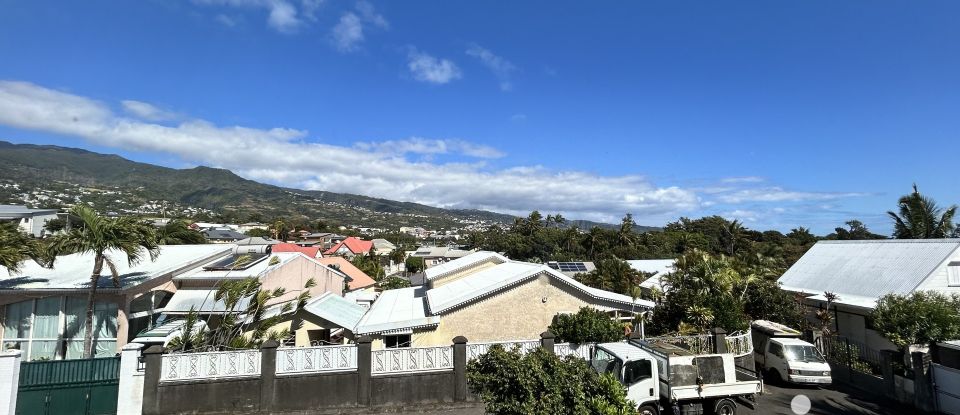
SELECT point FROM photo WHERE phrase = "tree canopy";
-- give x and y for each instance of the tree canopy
(919, 217)
(17, 247)
(588, 325)
(922, 317)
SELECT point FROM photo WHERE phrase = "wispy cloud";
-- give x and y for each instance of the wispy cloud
(284, 16)
(427, 68)
(778, 194)
(227, 21)
(743, 179)
(370, 169)
(348, 33)
(500, 67)
(418, 145)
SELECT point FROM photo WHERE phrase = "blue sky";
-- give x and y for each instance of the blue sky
(781, 114)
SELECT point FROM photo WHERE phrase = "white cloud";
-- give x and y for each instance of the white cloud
(347, 33)
(227, 20)
(427, 68)
(369, 14)
(282, 15)
(252, 153)
(310, 7)
(777, 194)
(500, 67)
(147, 111)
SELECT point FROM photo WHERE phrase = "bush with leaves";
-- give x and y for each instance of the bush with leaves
(414, 264)
(392, 283)
(586, 326)
(922, 317)
(540, 383)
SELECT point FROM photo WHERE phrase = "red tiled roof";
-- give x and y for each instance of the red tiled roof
(355, 245)
(310, 251)
(359, 278)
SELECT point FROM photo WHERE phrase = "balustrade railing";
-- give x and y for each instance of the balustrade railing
(209, 365)
(474, 350)
(571, 349)
(316, 359)
(412, 359)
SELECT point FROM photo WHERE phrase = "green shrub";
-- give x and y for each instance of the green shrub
(588, 325)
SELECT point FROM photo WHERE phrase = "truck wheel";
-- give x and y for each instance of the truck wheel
(725, 407)
(774, 377)
(648, 410)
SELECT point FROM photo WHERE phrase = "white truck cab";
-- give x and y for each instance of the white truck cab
(781, 355)
(667, 379)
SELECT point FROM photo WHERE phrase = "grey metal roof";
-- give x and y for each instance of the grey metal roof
(200, 301)
(465, 262)
(337, 310)
(19, 211)
(396, 310)
(867, 270)
(256, 240)
(72, 272)
(223, 234)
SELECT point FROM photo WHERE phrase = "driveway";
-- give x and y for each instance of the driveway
(836, 400)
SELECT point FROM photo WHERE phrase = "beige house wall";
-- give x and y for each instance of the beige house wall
(446, 279)
(520, 313)
(294, 274)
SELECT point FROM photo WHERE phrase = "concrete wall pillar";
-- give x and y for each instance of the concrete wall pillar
(547, 341)
(719, 340)
(923, 395)
(151, 379)
(130, 390)
(268, 372)
(9, 381)
(364, 369)
(460, 368)
(887, 357)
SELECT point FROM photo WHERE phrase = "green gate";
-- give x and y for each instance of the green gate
(69, 387)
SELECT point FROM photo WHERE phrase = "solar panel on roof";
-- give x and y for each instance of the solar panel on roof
(571, 267)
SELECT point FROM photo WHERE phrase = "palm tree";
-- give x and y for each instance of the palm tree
(16, 247)
(732, 236)
(595, 241)
(177, 232)
(921, 218)
(625, 236)
(104, 238)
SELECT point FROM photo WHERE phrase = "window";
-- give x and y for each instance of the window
(397, 341)
(776, 350)
(604, 362)
(636, 371)
(52, 328)
(953, 274)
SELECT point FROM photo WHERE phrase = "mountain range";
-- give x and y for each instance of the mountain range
(218, 190)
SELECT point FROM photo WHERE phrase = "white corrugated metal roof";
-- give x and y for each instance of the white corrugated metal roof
(463, 262)
(201, 301)
(499, 277)
(336, 309)
(396, 310)
(860, 272)
(255, 270)
(659, 268)
(73, 271)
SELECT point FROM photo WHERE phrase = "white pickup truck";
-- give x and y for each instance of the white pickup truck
(666, 379)
(781, 356)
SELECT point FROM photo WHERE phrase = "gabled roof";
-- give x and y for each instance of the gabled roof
(310, 251)
(72, 272)
(201, 301)
(355, 245)
(396, 311)
(505, 276)
(864, 271)
(336, 309)
(659, 268)
(20, 211)
(223, 234)
(462, 263)
(358, 279)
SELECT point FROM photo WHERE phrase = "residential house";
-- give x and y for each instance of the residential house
(324, 240)
(860, 272)
(350, 247)
(222, 235)
(485, 297)
(30, 221)
(310, 251)
(43, 310)
(196, 291)
(436, 255)
(657, 267)
(249, 226)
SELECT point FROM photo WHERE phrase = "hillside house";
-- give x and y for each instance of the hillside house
(860, 272)
(30, 221)
(485, 297)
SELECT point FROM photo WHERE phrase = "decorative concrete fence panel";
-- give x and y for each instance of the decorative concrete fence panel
(180, 367)
(474, 350)
(740, 343)
(316, 359)
(412, 359)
